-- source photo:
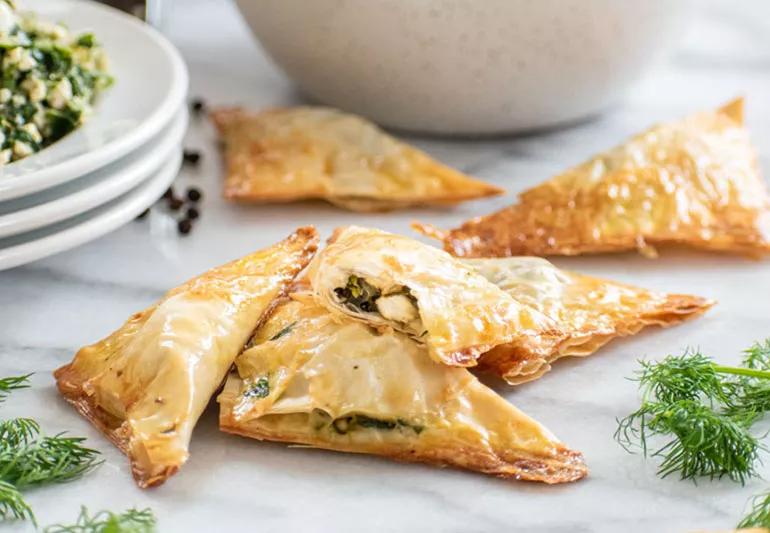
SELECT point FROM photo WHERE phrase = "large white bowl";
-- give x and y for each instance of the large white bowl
(466, 66)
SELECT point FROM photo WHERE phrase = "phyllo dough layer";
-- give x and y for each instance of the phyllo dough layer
(694, 182)
(146, 384)
(287, 154)
(326, 381)
(388, 280)
(591, 311)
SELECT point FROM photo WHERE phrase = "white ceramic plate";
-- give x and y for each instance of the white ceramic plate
(95, 189)
(31, 246)
(150, 86)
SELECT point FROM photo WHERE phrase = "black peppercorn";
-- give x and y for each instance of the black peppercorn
(192, 213)
(184, 226)
(198, 106)
(175, 204)
(192, 157)
(194, 194)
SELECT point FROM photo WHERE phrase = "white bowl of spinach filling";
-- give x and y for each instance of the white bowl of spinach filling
(50, 79)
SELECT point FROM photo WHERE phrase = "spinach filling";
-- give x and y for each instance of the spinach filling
(258, 389)
(346, 424)
(359, 294)
(283, 332)
(49, 79)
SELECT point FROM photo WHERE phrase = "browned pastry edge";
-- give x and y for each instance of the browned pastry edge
(517, 365)
(565, 467)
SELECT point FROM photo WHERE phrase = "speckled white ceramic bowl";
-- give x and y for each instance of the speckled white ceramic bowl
(466, 66)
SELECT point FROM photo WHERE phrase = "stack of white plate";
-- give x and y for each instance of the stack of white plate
(119, 162)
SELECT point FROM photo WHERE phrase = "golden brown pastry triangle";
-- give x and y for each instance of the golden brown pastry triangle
(321, 380)
(287, 154)
(692, 182)
(146, 385)
(392, 281)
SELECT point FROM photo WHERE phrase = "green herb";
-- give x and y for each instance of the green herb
(11, 384)
(759, 514)
(12, 504)
(87, 40)
(705, 411)
(345, 424)
(130, 521)
(258, 389)
(359, 294)
(284, 331)
(28, 459)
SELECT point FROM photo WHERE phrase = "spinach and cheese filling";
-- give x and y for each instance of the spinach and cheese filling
(396, 304)
(50, 80)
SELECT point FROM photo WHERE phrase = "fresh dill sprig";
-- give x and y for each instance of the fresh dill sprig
(705, 412)
(28, 458)
(130, 521)
(759, 514)
(12, 383)
(17, 432)
(46, 460)
(12, 504)
(758, 356)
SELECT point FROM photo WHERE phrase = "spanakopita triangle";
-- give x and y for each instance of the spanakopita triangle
(318, 379)
(391, 281)
(145, 385)
(692, 182)
(591, 312)
(287, 154)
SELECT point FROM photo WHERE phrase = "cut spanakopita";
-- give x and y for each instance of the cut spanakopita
(146, 384)
(694, 182)
(298, 153)
(592, 311)
(326, 381)
(388, 280)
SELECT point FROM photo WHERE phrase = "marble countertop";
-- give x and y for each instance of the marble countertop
(50, 308)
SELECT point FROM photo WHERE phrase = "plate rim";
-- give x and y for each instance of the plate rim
(124, 210)
(110, 187)
(83, 163)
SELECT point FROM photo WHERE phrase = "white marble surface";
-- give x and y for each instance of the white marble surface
(50, 308)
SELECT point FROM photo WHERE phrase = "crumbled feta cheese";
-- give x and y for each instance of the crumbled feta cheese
(5, 95)
(26, 61)
(2, 137)
(39, 119)
(56, 31)
(21, 149)
(60, 94)
(397, 307)
(7, 18)
(33, 132)
(19, 99)
(12, 56)
(36, 89)
(5, 156)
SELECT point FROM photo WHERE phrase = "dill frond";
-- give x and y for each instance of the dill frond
(759, 513)
(130, 521)
(12, 383)
(12, 504)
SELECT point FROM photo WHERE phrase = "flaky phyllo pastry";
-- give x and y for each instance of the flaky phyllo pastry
(146, 384)
(694, 182)
(298, 153)
(591, 311)
(391, 281)
(324, 380)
